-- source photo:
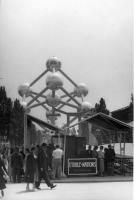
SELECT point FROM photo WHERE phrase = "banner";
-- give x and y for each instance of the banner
(82, 166)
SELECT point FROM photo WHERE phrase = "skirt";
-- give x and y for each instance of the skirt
(29, 176)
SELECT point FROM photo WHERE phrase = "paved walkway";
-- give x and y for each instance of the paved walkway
(72, 191)
(94, 179)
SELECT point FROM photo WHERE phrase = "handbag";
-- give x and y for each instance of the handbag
(6, 178)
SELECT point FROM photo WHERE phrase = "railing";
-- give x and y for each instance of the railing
(123, 165)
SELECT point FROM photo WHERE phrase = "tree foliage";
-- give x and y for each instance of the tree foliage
(11, 118)
(12, 121)
(101, 107)
(5, 112)
(17, 123)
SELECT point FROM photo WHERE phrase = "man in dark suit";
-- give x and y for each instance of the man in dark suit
(88, 153)
(110, 160)
(16, 165)
(43, 167)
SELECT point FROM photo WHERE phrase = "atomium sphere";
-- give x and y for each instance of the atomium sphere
(85, 106)
(24, 104)
(49, 113)
(27, 110)
(54, 81)
(53, 63)
(52, 101)
(24, 89)
(81, 90)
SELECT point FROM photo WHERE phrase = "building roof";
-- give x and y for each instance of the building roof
(120, 109)
(107, 122)
(41, 122)
(124, 114)
(100, 119)
(131, 124)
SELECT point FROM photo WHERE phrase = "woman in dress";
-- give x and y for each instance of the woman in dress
(3, 172)
(31, 168)
(101, 161)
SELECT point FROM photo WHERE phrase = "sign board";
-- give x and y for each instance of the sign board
(82, 166)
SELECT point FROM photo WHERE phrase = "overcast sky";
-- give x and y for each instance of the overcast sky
(92, 38)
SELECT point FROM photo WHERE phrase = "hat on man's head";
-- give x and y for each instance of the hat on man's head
(44, 145)
(33, 148)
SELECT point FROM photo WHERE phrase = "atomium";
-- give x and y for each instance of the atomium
(24, 90)
(53, 64)
(54, 97)
(81, 90)
(52, 101)
(85, 106)
(24, 104)
(54, 81)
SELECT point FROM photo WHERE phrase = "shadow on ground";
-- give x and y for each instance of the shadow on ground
(24, 191)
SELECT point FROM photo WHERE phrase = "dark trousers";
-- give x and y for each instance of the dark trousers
(43, 175)
(110, 169)
(105, 166)
(16, 175)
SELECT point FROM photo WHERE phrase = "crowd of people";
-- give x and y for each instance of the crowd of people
(31, 166)
(105, 158)
(45, 162)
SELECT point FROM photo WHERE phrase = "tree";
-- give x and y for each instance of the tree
(101, 107)
(5, 113)
(11, 119)
(17, 124)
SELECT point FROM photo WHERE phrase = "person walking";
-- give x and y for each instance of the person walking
(27, 152)
(31, 168)
(3, 173)
(57, 162)
(49, 151)
(43, 167)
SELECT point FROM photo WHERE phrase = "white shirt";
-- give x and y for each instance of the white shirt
(57, 153)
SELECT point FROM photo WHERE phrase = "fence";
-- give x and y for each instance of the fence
(123, 165)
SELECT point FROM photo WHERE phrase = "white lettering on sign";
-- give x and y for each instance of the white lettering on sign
(82, 164)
